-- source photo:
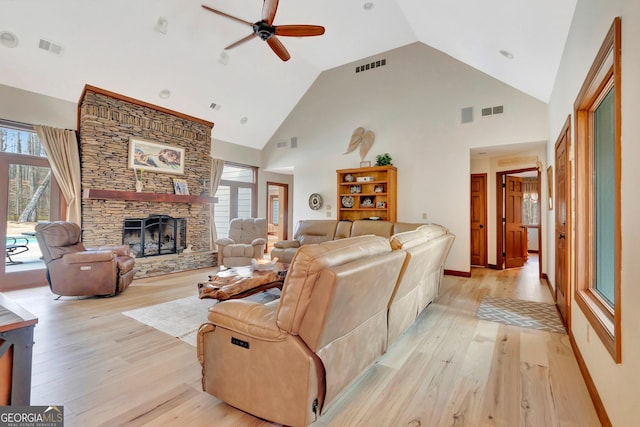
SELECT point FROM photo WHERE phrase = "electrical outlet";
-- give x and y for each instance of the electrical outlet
(424, 215)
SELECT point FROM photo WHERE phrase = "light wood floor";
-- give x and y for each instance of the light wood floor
(448, 369)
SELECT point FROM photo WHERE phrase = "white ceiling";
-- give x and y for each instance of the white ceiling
(112, 44)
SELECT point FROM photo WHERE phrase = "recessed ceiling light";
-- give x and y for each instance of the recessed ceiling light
(506, 54)
(162, 25)
(244, 120)
(8, 39)
(224, 58)
(368, 5)
(164, 93)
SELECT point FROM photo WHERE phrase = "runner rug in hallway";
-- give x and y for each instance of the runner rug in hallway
(528, 314)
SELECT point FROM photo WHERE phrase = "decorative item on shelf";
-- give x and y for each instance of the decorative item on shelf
(364, 140)
(374, 218)
(355, 189)
(366, 202)
(378, 189)
(364, 179)
(138, 174)
(365, 164)
(180, 186)
(315, 201)
(347, 202)
(349, 178)
(263, 264)
(383, 159)
(381, 205)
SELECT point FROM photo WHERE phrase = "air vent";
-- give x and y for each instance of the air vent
(282, 144)
(50, 46)
(498, 110)
(487, 111)
(215, 106)
(371, 65)
(294, 142)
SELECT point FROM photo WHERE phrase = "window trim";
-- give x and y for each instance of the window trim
(604, 73)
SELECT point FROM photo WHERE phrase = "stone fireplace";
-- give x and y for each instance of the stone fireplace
(107, 121)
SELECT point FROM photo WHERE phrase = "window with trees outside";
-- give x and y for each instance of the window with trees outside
(237, 196)
(29, 191)
(598, 237)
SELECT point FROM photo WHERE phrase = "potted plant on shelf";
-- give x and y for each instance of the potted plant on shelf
(383, 159)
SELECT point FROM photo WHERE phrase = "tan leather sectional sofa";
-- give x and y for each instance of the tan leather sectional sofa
(322, 230)
(343, 303)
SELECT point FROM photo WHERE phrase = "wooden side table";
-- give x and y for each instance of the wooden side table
(16, 346)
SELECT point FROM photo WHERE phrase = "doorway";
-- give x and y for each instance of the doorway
(518, 217)
(479, 220)
(277, 213)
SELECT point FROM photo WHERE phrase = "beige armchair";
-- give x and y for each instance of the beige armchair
(73, 270)
(247, 240)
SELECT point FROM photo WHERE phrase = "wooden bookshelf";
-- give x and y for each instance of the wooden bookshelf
(375, 198)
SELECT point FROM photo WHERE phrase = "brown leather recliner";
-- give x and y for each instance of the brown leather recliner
(288, 361)
(73, 270)
(247, 240)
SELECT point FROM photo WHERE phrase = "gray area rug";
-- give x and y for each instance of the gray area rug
(181, 318)
(527, 314)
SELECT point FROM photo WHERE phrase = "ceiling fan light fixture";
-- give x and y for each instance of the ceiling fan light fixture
(8, 39)
(506, 54)
(368, 5)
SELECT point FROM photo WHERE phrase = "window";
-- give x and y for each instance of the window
(530, 209)
(28, 194)
(598, 194)
(237, 196)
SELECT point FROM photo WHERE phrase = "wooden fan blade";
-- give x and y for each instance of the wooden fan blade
(217, 12)
(239, 42)
(278, 48)
(299, 30)
(269, 8)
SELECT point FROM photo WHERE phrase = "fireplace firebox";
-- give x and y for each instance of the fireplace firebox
(155, 235)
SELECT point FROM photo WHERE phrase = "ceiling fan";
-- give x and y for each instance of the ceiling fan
(268, 32)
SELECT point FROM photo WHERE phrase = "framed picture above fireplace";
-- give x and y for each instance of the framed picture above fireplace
(154, 157)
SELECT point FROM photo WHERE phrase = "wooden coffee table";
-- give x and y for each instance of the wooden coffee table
(240, 282)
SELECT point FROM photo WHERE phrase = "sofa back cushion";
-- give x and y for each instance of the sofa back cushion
(434, 230)
(363, 227)
(401, 227)
(312, 231)
(58, 238)
(343, 230)
(245, 230)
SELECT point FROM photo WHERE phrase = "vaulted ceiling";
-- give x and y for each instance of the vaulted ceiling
(114, 45)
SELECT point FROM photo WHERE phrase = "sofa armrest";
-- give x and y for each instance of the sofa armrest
(225, 241)
(249, 318)
(285, 244)
(259, 241)
(88, 256)
(120, 250)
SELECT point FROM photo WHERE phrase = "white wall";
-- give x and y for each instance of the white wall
(28, 107)
(617, 385)
(413, 106)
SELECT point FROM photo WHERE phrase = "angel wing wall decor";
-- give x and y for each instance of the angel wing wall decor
(363, 139)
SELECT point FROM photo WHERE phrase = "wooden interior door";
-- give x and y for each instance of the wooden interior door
(479, 219)
(561, 243)
(515, 232)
